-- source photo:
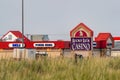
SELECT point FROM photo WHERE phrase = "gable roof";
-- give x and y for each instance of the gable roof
(18, 34)
(103, 36)
(83, 25)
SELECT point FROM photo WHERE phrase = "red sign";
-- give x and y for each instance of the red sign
(81, 33)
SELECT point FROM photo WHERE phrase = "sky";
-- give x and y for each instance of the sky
(58, 17)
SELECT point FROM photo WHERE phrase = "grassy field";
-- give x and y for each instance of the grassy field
(61, 69)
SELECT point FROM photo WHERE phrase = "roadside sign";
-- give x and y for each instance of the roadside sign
(81, 43)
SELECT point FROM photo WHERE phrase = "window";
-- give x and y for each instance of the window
(9, 37)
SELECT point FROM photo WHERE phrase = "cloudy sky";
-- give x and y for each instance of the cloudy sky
(58, 17)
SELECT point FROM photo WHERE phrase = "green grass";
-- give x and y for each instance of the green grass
(61, 69)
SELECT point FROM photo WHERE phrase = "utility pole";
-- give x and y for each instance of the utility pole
(22, 32)
(22, 23)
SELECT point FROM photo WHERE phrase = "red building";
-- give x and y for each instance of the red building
(13, 39)
(12, 43)
(104, 40)
(116, 43)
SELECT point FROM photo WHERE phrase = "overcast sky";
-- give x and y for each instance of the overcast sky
(58, 17)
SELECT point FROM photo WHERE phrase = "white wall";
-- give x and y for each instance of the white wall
(7, 37)
(115, 53)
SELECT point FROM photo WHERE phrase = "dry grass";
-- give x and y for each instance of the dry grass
(61, 69)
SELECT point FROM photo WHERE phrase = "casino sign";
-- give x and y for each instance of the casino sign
(81, 38)
(81, 44)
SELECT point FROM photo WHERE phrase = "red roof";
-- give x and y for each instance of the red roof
(116, 38)
(18, 34)
(103, 36)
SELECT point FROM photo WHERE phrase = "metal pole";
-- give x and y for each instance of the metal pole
(22, 30)
(22, 23)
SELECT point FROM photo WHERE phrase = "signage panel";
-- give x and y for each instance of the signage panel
(94, 44)
(81, 44)
(16, 45)
(43, 44)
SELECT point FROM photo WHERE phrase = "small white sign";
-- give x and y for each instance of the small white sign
(94, 44)
(16, 45)
(43, 44)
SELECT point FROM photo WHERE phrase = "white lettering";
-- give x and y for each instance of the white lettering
(81, 46)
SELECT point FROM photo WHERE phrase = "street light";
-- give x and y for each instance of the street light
(22, 23)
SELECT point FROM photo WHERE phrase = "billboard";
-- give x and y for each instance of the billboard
(81, 43)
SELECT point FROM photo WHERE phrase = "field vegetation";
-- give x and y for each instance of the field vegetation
(61, 69)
